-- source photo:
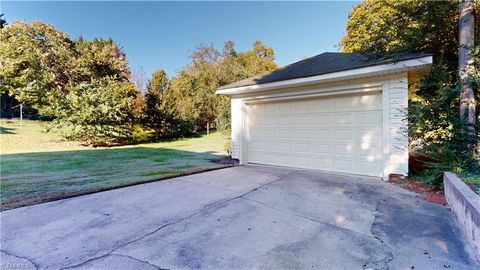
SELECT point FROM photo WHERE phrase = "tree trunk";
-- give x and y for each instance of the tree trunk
(465, 65)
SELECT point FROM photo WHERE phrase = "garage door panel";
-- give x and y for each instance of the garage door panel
(271, 157)
(303, 147)
(339, 134)
(367, 102)
(343, 119)
(367, 168)
(271, 133)
(322, 106)
(256, 146)
(323, 164)
(303, 133)
(270, 146)
(343, 134)
(255, 121)
(285, 146)
(303, 160)
(302, 120)
(270, 108)
(286, 120)
(303, 106)
(287, 107)
(344, 103)
(284, 159)
(322, 133)
(255, 109)
(343, 165)
(322, 147)
(285, 133)
(270, 121)
(321, 120)
(256, 133)
(370, 155)
(345, 149)
(369, 118)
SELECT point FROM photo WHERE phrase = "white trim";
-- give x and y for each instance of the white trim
(400, 66)
(293, 96)
(386, 129)
(243, 140)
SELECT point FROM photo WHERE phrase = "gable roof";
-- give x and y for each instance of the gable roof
(324, 63)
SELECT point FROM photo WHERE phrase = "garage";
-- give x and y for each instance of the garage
(335, 112)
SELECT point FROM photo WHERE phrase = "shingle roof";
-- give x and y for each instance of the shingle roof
(322, 64)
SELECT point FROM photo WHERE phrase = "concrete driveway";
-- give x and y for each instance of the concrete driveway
(247, 217)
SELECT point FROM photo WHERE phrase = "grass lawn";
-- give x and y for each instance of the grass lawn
(38, 167)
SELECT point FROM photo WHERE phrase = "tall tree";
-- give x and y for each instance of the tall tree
(399, 26)
(82, 84)
(154, 111)
(37, 63)
(158, 118)
(465, 69)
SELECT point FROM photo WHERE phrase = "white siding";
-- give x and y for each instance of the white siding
(237, 123)
(398, 140)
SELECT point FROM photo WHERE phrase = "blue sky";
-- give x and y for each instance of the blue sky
(163, 34)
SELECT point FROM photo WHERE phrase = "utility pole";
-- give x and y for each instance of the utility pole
(465, 64)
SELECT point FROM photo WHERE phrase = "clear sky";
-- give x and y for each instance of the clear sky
(163, 34)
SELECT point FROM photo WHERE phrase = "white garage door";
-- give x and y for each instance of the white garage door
(339, 134)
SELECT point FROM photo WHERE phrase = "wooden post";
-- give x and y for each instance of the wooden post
(467, 97)
(208, 128)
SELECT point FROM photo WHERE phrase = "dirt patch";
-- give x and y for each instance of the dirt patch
(434, 195)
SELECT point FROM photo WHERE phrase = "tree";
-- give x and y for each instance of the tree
(99, 58)
(393, 27)
(97, 112)
(465, 68)
(191, 94)
(36, 63)
(82, 84)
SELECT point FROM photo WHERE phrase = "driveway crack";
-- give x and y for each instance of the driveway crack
(19, 257)
(136, 259)
(210, 206)
(383, 263)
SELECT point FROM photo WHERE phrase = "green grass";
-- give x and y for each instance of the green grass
(38, 167)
